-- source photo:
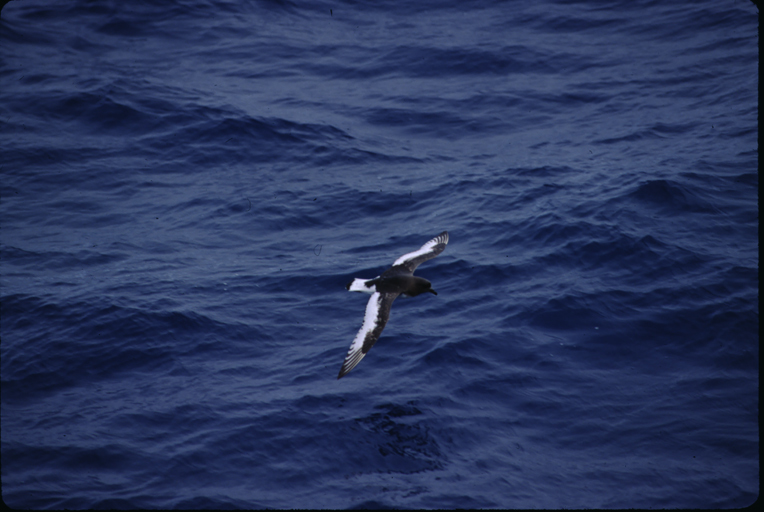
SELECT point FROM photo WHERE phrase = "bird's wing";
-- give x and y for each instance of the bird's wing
(377, 313)
(409, 262)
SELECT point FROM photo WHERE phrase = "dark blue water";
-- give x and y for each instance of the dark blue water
(187, 187)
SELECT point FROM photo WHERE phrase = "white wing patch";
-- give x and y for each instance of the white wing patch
(355, 353)
(440, 239)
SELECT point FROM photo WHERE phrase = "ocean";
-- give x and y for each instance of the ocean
(187, 186)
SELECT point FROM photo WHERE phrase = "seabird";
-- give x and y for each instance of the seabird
(398, 279)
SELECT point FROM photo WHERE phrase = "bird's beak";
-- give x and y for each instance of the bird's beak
(432, 291)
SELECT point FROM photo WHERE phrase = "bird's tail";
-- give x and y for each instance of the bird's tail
(360, 285)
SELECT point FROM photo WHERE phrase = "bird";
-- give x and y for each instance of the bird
(384, 289)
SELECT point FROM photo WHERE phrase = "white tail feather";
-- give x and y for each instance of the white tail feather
(359, 285)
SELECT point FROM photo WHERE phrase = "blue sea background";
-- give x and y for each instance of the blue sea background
(188, 185)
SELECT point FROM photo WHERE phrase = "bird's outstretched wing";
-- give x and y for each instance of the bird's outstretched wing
(409, 262)
(377, 313)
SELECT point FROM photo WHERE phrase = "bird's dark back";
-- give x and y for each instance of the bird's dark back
(402, 283)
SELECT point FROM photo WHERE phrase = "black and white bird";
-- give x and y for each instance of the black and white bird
(398, 279)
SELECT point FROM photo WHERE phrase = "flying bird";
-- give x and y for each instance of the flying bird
(398, 279)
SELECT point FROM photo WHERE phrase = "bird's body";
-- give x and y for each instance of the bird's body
(384, 289)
